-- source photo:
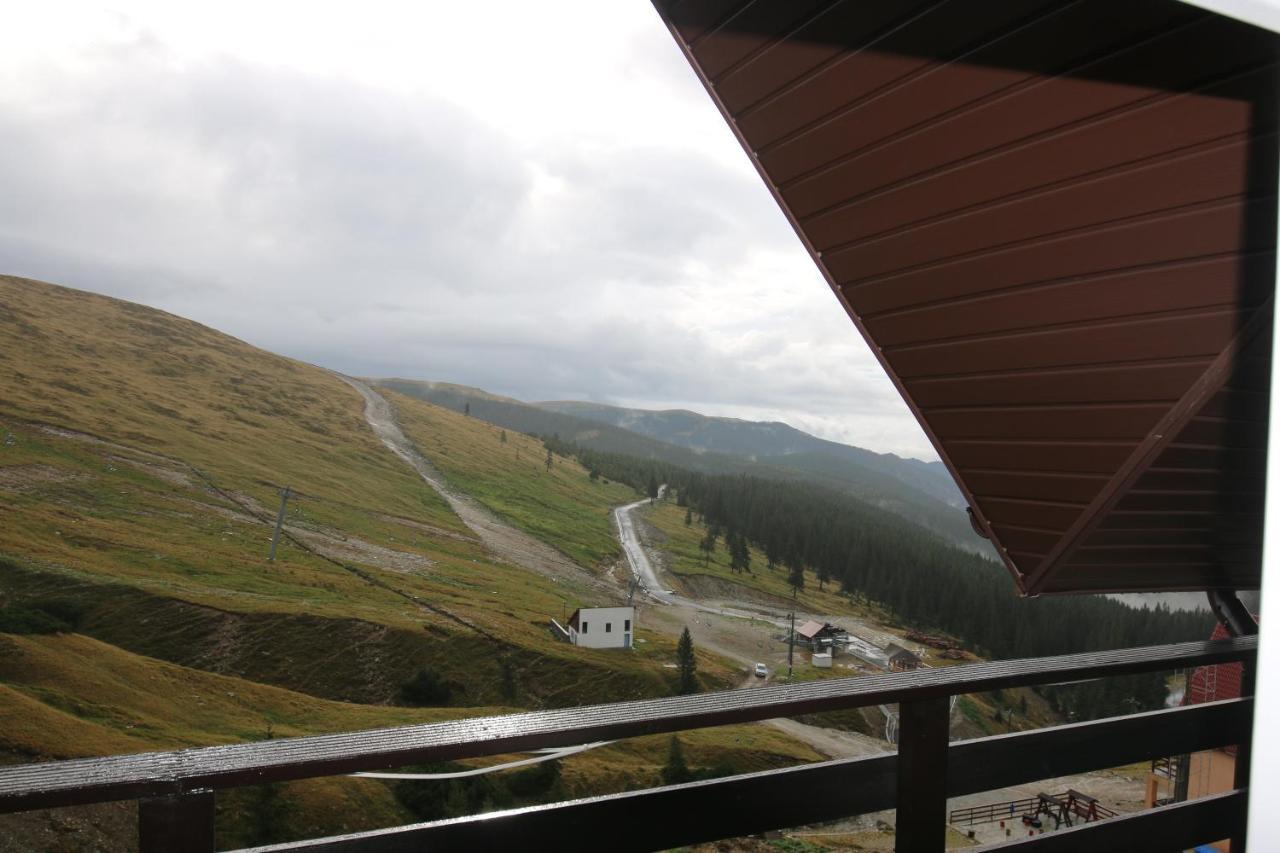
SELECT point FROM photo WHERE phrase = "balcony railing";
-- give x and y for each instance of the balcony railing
(176, 790)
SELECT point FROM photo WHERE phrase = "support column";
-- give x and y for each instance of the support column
(923, 734)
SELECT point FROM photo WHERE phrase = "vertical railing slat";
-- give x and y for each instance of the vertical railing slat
(179, 823)
(1244, 752)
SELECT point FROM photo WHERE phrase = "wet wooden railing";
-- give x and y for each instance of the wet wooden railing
(176, 790)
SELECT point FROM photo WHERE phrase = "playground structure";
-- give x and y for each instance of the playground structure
(1067, 808)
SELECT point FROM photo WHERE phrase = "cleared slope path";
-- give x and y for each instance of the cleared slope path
(498, 536)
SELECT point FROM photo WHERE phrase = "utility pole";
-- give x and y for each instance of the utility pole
(285, 494)
(791, 644)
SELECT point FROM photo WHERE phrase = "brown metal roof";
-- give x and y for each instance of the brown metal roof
(810, 629)
(1054, 223)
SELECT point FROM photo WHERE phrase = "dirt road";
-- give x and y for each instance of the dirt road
(508, 543)
(641, 568)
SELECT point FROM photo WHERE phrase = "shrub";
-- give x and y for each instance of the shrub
(16, 619)
(426, 688)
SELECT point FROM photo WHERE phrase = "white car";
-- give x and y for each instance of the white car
(762, 671)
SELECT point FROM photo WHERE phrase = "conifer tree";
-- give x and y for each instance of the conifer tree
(688, 518)
(739, 553)
(676, 770)
(708, 544)
(687, 664)
(824, 575)
(795, 577)
(771, 553)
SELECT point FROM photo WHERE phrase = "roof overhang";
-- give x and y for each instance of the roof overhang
(1055, 225)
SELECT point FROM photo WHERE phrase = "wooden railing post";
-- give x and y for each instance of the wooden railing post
(923, 733)
(1244, 755)
(180, 823)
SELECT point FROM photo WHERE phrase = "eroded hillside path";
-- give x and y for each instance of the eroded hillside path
(504, 540)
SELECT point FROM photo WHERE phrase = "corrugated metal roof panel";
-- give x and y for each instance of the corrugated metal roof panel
(1055, 224)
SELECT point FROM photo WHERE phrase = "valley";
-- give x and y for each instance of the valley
(424, 551)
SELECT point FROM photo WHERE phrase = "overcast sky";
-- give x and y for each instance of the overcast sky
(535, 198)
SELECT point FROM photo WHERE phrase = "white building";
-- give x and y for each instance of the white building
(602, 627)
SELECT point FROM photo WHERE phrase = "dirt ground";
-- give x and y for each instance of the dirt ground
(498, 536)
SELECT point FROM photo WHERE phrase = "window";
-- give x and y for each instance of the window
(626, 626)
(608, 627)
(584, 627)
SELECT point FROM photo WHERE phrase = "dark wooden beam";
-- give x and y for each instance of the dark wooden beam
(656, 819)
(182, 823)
(1000, 761)
(779, 799)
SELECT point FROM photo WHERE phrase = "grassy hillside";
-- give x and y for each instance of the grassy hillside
(101, 490)
(140, 457)
(560, 505)
(69, 696)
(250, 420)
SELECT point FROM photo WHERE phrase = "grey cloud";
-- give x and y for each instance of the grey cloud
(384, 234)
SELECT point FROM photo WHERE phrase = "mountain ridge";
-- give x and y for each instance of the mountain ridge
(879, 483)
(740, 436)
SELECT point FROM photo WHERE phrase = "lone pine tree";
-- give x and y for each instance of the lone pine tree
(795, 577)
(687, 664)
(676, 769)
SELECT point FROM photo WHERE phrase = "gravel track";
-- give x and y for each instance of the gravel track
(507, 542)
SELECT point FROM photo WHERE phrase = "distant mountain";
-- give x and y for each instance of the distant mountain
(877, 481)
(762, 441)
(513, 414)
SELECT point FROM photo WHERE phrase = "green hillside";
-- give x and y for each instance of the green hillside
(155, 475)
